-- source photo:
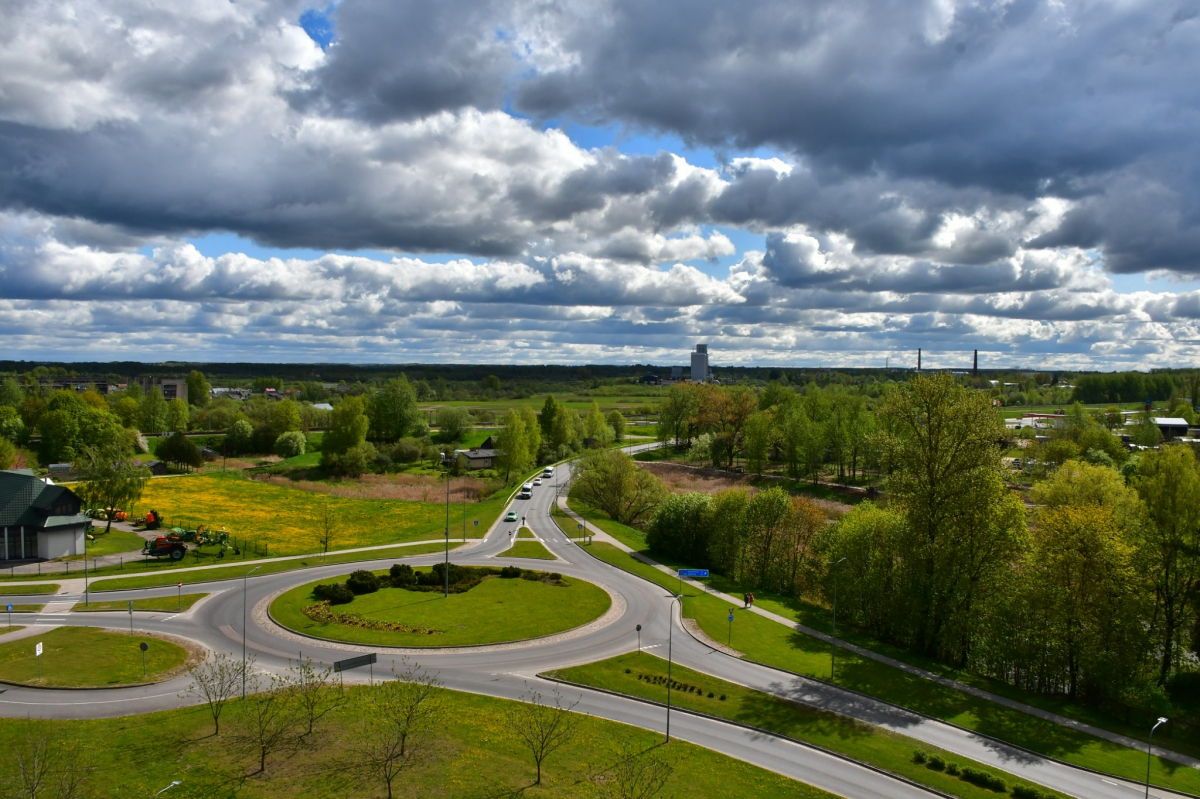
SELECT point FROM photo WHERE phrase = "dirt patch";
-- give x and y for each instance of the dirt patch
(680, 479)
(407, 487)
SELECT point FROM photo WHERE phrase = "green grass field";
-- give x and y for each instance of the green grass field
(13, 629)
(24, 608)
(164, 604)
(284, 518)
(174, 575)
(20, 589)
(777, 645)
(496, 610)
(111, 543)
(79, 657)
(637, 674)
(476, 756)
(525, 532)
(527, 549)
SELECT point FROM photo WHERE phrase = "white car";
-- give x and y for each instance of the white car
(538, 481)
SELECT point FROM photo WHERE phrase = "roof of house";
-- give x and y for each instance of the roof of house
(26, 500)
(476, 453)
(1173, 421)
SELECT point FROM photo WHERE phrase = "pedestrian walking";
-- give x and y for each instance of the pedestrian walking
(751, 600)
(745, 601)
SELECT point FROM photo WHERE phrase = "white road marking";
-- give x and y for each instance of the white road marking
(99, 702)
(1110, 782)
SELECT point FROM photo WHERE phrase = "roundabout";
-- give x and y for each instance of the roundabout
(90, 657)
(487, 606)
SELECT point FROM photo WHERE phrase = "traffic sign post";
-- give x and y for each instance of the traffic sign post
(143, 646)
(639, 632)
(729, 640)
(131, 617)
(579, 526)
(690, 573)
(179, 590)
(10, 615)
(476, 531)
(37, 650)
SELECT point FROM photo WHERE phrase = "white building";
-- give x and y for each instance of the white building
(700, 373)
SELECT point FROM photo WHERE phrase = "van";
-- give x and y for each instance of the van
(548, 471)
(526, 491)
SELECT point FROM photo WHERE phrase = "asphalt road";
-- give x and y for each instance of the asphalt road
(509, 671)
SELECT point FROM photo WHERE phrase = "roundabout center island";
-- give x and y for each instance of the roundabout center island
(406, 607)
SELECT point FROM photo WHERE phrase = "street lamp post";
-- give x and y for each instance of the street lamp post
(85, 570)
(245, 582)
(833, 644)
(1149, 749)
(670, 631)
(446, 569)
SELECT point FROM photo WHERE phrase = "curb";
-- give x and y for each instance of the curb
(760, 730)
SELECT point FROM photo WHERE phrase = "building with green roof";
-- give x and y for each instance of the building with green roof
(38, 519)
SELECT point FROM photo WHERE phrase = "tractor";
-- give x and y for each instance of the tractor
(162, 545)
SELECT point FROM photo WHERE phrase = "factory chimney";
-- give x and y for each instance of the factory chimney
(918, 359)
(975, 368)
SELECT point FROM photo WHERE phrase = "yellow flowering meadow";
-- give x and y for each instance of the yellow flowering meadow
(287, 520)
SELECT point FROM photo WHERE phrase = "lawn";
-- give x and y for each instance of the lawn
(476, 755)
(80, 657)
(24, 608)
(284, 519)
(19, 589)
(11, 629)
(496, 610)
(777, 645)
(111, 543)
(161, 604)
(525, 532)
(172, 576)
(527, 549)
(642, 675)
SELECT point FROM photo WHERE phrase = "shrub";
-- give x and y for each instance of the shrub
(722, 697)
(1029, 792)
(401, 574)
(919, 756)
(710, 694)
(362, 582)
(334, 594)
(406, 450)
(509, 572)
(290, 444)
(936, 763)
(952, 769)
(984, 779)
(628, 671)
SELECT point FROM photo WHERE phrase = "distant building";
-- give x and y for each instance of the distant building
(322, 406)
(171, 387)
(232, 393)
(650, 379)
(82, 383)
(39, 519)
(676, 372)
(475, 458)
(700, 373)
(1171, 427)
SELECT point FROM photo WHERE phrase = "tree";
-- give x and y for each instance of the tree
(595, 427)
(611, 481)
(353, 462)
(454, 423)
(313, 691)
(566, 436)
(681, 526)
(393, 410)
(12, 427)
(542, 728)
(637, 774)
(550, 410)
(400, 718)
(677, 417)
(348, 426)
(153, 411)
(238, 439)
(217, 680)
(512, 444)
(724, 413)
(46, 765)
(327, 528)
(269, 722)
(8, 454)
(1145, 432)
(181, 451)
(11, 393)
(616, 422)
(177, 416)
(291, 444)
(758, 441)
(1169, 551)
(109, 480)
(198, 389)
(963, 528)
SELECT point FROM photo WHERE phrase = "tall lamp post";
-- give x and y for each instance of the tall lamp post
(833, 644)
(670, 631)
(245, 581)
(446, 568)
(1149, 749)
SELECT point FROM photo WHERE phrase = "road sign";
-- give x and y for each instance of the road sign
(354, 663)
(731, 617)
(10, 607)
(180, 585)
(476, 522)
(38, 649)
(693, 572)
(143, 646)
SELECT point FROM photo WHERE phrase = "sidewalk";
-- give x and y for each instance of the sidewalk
(1123, 740)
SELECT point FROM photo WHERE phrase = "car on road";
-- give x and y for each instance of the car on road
(511, 516)
(537, 481)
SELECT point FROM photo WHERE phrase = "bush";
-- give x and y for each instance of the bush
(984, 779)
(401, 575)
(919, 756)
(952, 769)
(1029, 792)
(509, 572)
(936, 763)
(290, 444)
(362, 582)
(335, 594)
(406, 450)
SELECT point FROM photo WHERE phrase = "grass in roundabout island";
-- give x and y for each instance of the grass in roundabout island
(777, 645)
(643, 675)
(476, 754)
(268, 567)
(525, 532)
(161, 604)
(527, 549)
(494, 611)
(87, 657)
(17, 589)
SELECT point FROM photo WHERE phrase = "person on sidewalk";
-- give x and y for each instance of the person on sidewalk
(745, 601)
(751, 596)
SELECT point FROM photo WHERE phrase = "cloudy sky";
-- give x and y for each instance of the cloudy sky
(795, 183)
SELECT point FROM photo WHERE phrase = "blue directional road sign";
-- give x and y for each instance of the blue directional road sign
(10, 607)
(693, 572)
(731, 617)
